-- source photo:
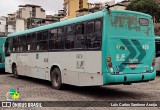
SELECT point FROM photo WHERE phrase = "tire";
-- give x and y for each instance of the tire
(56, 79)
(15, 72)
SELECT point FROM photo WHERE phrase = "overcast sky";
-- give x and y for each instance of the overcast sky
(51, 6)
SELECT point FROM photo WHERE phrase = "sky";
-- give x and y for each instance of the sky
(51, 6)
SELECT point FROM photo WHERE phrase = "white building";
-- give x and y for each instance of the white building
(30, 11)
(5, 28)
(21, 17)
(2, 26)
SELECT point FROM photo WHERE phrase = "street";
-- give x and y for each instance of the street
(40, 90)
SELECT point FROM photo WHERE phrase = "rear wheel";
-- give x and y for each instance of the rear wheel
(56, 79)
(14, 71)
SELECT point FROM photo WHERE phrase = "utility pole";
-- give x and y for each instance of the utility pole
(6, 27)
(30, 24)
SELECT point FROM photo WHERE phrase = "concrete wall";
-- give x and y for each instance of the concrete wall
(25, 14)
(20, 25)
(39, 13)
(2, 24)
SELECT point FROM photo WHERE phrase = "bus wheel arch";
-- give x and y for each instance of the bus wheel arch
(14, 70)
(56, 77)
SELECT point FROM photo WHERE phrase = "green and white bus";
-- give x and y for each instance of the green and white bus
(105, 47)
(2, 53)
(157, 44)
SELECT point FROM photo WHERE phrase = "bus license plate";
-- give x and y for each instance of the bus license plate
(132, 65)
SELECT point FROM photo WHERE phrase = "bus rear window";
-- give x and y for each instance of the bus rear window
(144, 22)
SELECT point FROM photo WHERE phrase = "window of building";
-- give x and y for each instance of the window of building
(80, 4)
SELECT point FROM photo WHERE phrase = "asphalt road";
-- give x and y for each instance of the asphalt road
(40, 90)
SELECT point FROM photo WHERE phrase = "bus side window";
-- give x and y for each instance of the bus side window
(98, 34)
(79, 38)
(8, 46)
(15, 44)
(31, 42)
(93, 34)
(52, 38)
(24, 43)
(42, 42)
(69, 40)
(59, 44)
(89, 34)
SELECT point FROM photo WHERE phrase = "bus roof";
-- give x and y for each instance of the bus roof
(95, 15)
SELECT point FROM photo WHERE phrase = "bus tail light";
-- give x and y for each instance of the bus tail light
(153, 62)
(110, 65)
(109, 62)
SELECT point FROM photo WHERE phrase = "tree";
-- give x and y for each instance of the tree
(146, 6)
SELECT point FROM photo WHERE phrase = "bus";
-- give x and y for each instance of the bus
(157, 43)
(2, 53)
(105, 47)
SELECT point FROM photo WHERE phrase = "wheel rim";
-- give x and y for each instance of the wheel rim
(15, 72)
(56, 80)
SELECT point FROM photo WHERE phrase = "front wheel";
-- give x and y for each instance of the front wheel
(56, 79)
(15, 72)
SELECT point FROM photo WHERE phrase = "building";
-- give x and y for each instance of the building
(99, 6)
(71, 6)
(30, 11)
(3, 20)
(5, 28)
(26, 17)
(59, 16)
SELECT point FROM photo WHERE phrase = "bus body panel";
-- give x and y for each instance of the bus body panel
(130, 45)
(75, 69)
(2, 42)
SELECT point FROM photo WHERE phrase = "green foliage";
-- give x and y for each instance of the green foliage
(145, 6)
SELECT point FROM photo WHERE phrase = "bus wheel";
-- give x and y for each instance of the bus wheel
(15, 72)
(56, 79)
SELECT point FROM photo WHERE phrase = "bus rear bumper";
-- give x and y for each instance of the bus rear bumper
(129, 78)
